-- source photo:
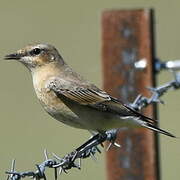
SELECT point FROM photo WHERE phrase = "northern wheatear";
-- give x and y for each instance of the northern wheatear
(71, 99)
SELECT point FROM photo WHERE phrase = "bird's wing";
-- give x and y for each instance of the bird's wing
(92, 96)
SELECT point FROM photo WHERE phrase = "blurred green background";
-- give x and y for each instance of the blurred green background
(74, 28)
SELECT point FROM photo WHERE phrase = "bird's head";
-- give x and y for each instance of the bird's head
(38, 55)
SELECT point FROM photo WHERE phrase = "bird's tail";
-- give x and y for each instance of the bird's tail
(154, 128)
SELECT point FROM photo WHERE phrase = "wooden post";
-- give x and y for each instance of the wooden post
(127, 37)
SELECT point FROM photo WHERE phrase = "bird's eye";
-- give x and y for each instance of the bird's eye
(35, 52)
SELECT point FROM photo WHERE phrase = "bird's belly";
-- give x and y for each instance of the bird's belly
(57, 109)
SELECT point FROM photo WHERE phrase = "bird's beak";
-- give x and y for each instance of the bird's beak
(14, 56)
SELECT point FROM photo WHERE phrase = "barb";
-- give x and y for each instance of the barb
(90, 147)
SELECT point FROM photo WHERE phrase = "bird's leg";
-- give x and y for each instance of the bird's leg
(90, 146)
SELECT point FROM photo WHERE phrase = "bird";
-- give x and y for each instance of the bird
(73, 100)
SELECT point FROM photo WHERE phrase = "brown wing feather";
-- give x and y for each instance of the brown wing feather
(84, 96)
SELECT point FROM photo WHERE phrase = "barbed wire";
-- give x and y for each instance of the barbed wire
(91, 147)
(141, 101)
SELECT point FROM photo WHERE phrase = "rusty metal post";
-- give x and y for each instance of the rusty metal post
(127, 37)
